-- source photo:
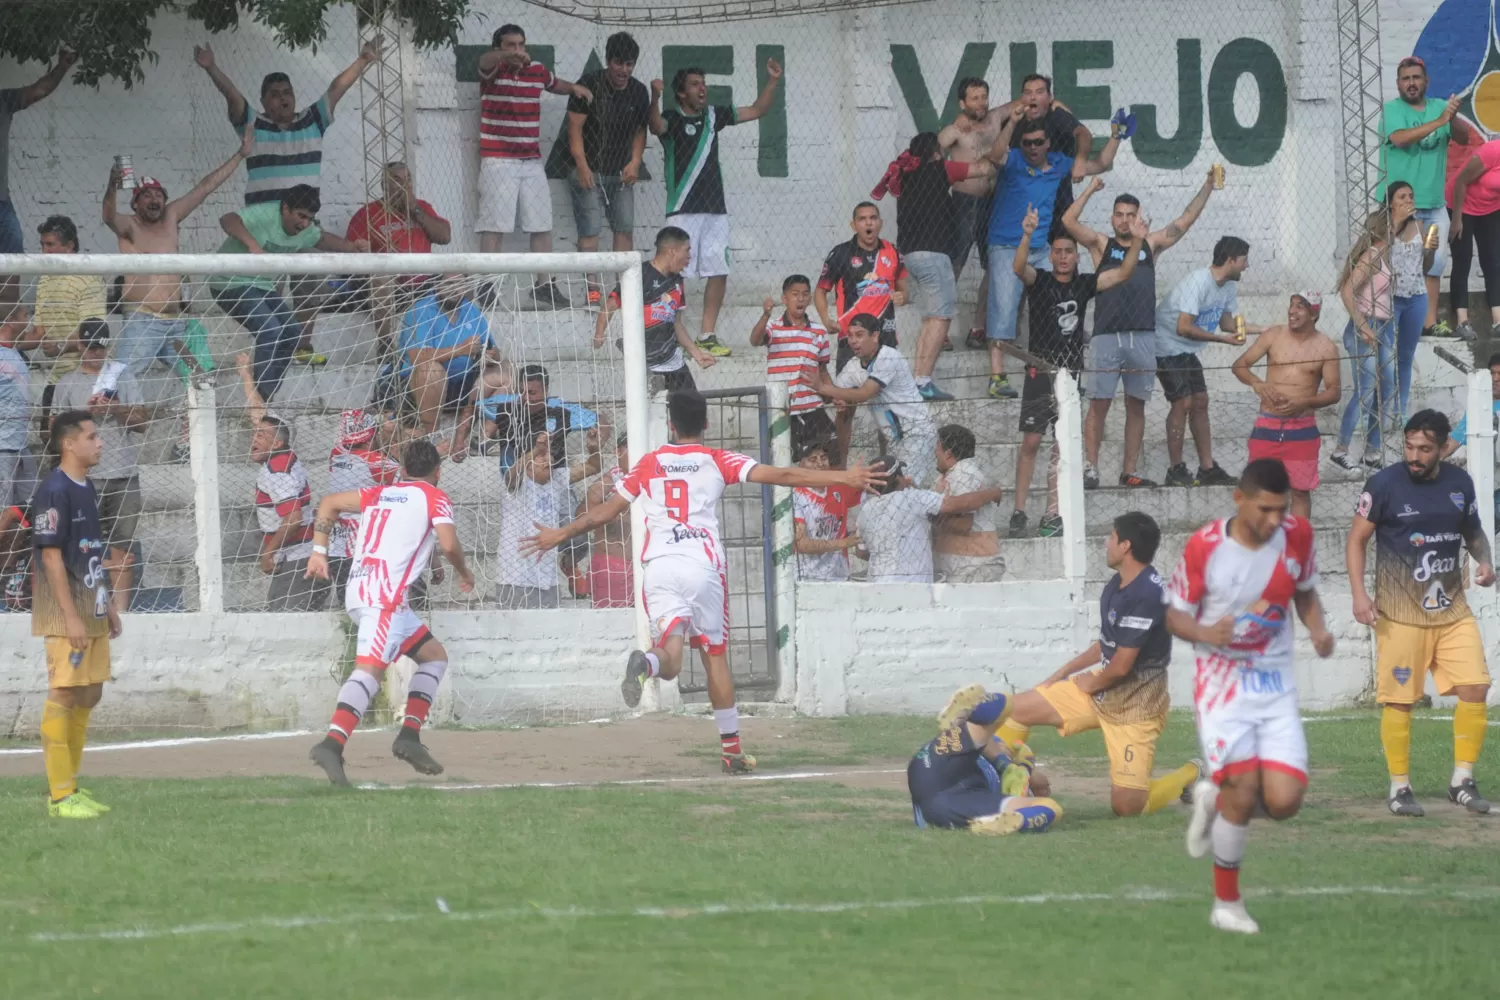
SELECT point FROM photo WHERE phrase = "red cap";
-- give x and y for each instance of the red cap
(146, 182)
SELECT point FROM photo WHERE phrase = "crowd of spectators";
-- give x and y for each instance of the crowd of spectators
(999, 178)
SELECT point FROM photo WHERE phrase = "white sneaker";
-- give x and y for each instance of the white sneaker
(1232, 917)
(1200, 837)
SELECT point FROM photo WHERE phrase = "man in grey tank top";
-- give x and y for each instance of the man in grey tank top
(1124, 341)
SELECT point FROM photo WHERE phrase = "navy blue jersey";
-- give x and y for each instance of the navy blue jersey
(1419, 534)
(951, 760)
(1135, 617)
(65, 516)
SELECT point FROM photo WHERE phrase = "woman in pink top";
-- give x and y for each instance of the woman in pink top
(1366, 286)
(1476, 189)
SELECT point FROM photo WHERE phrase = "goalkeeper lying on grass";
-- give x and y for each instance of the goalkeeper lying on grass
(967, 778)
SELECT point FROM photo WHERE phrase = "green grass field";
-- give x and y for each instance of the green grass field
(288, 888)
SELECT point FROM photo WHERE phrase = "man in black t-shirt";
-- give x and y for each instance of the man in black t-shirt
(666, 333)
(1058, 301)
(517, 424)
(606, 139)
(695, 184)
(867, 275)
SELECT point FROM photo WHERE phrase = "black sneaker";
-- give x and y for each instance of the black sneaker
(1090, 478)
(409, 748)
(1404, 803)
(1215, 476)
(1343, 461)
(548, 295)
(329, 755)
(1466, 794)
(1018, 524)
(1178, 475)
(1372, 461)
(1130, 480)
(1050, 526)
(975, 341)
(637, 672)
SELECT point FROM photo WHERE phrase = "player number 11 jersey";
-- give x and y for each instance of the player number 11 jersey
(394, 542)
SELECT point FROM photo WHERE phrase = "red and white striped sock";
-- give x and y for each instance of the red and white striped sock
(354, 698)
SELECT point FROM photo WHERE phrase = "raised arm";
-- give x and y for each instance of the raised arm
(857, 476)
(339, 85)
(1175, 230)
(999, 150)
(767, 95)
(1083, 235)
(1083, 141)
(181, 208)
(239, 108)
(547, 539)
(48, 81)
(1404, 137)
(1022, 262)
(965, 503)
(654, 120)
(112, 220)
(568, 88)
(592, 462)
(253, 400)
(758, 331)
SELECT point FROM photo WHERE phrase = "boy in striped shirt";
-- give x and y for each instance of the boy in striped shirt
(798, 351)
(512, 180)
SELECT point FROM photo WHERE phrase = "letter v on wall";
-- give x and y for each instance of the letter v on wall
(908, 70)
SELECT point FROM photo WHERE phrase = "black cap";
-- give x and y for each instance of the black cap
(94, 333)
(894, 470)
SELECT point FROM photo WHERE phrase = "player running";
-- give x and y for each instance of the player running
(684, 565)
(398, 526)
(1231, 596)
(1127, 699)
(1421, 512)
(966, 779)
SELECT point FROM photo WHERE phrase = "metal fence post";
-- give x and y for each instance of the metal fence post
(784, 561)
(203, 443)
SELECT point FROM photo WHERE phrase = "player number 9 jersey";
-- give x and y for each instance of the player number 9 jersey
(394, 542)
(678, 487)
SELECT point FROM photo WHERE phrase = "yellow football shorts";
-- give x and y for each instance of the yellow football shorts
(1404, 654)
(1131, 745)
(92, 668)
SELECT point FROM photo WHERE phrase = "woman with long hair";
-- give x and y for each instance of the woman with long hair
(1474, 203)
(1410, 261)
(1365, 285)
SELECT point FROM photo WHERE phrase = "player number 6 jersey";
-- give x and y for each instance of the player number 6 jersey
(679, 488)
(394, 542)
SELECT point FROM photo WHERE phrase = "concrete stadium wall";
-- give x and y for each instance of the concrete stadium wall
(1257, 91)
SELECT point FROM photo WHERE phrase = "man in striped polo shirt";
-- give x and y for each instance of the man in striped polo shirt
(512, 181)
(798, 349)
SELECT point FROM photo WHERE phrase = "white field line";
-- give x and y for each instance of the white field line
(185, 741)
(720, 779)
(685, 911)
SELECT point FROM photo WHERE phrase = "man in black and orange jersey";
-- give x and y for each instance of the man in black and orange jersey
(866, 275)
(1423, 513)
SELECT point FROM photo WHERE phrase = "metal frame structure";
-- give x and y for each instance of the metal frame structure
(1362, 103)
(384, 104)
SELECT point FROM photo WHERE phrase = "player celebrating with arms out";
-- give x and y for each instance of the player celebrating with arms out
(1128, 698)
(684, 565)
(1420, 511)
(1231, 596)
(398, 526)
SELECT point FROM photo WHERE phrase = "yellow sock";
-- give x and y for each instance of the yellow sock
(1168, 788)
(78, 729)
(55, 754)
(1013, 732)
(1395, 737)
(1468, 732)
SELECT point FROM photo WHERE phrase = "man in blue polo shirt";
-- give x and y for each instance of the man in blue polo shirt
(1029, 179)
(442, 340)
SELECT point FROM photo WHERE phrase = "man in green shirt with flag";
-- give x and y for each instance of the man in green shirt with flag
(1415, 135)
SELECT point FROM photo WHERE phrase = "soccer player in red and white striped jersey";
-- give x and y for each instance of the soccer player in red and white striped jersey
(399, 525)
(512, 181)
(684, 564)
(798, 352)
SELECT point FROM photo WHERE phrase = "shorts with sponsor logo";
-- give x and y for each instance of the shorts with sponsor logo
(682, 595)
(1255, 727)
(1131, 745)
(385, 635)
(1406, 654)
(92, 666)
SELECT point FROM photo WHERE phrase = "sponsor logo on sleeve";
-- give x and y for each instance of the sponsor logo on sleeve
(1134, 621)
(1362, 507)
(47, 523)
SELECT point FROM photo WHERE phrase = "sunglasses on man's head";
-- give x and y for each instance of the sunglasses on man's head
(1032, 143)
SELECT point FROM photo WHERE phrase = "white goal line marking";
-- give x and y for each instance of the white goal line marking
(444, 912)
(185, 741)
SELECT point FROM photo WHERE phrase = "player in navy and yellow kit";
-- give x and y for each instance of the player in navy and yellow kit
(964, 779)
(1128, 698)
(1422, 513)
(71, 608)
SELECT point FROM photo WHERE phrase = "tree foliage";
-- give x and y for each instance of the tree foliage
(113, 37)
